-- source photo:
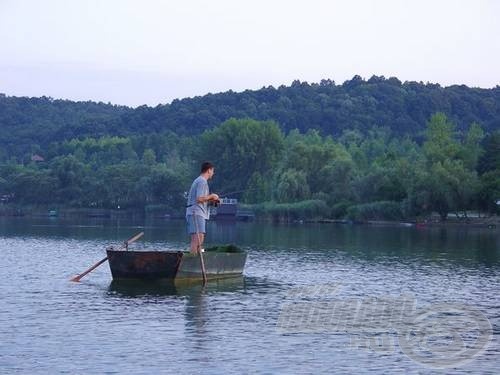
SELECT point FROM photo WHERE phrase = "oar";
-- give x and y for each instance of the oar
(125, 244)
(202, 262)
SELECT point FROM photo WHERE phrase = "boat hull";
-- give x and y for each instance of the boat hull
(170, 265)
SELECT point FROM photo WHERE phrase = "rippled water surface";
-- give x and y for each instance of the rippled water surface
(51, 325)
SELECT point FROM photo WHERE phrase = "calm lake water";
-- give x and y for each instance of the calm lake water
(51, 325)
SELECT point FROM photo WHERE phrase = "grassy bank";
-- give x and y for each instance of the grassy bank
(370, 213)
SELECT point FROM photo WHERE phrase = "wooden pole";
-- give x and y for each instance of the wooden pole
(202, 262)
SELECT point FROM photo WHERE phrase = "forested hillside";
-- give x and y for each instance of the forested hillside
(375, 149)
(30, 124)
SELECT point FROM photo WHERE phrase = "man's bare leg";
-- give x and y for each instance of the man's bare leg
(195, 237)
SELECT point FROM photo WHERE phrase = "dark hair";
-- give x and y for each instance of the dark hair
(206, 166)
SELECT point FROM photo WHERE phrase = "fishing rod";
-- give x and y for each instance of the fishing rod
(223, 195)
(238, 191)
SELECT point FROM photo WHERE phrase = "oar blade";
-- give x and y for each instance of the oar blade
(76, 278)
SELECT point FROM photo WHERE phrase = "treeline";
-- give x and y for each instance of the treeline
(106, 172)
(30, 125)
(372, 174)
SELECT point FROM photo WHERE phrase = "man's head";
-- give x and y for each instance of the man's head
(207, 169)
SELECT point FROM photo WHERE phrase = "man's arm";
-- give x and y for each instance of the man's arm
(202, 194)
(207, 198)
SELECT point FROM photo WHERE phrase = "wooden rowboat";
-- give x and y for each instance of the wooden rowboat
(220, 262)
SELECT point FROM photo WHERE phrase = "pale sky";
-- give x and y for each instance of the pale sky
(136, 52)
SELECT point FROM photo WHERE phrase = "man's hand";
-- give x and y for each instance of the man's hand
(213, 197)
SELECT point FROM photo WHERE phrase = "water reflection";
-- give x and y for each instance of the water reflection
(140, 289)
(224, 231)
(196, 297)
(144, 289)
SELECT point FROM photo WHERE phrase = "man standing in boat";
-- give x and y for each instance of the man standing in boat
(197, 206)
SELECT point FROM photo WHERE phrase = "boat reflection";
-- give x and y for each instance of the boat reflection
(140, 289)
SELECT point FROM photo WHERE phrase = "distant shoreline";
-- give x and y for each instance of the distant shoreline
(486, 222)
(490, 222)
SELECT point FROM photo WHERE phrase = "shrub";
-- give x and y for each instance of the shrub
(339, 210)
(382, 210)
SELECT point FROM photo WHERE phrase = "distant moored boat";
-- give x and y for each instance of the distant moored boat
(229, 210)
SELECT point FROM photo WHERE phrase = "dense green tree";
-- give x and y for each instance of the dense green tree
(449, 181)
(472, 150)
(239, 148)
(167, 187)
(490, 158)
(292, 186)
(450, 187)
(337, 178)
(488, 196)
(120, 181)
(309, 153)
(33, 186)
(440, 144)
(259, 189)
(71, 175)
(149, 157)
(489, 168)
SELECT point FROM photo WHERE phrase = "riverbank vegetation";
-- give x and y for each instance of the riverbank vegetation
(374, 168)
